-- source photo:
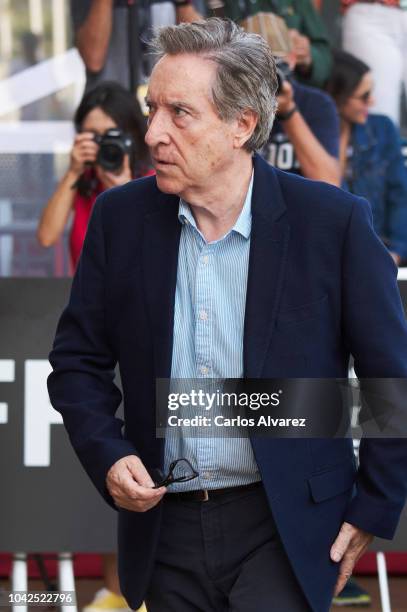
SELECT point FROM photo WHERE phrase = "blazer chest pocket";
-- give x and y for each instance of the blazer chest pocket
(298, 314)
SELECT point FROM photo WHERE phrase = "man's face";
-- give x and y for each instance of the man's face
(190, 145)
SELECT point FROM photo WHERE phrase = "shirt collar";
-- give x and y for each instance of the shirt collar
(243, 224)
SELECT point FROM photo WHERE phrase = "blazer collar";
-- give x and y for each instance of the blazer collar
(162, 231)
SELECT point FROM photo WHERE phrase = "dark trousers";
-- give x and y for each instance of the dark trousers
(222, 555)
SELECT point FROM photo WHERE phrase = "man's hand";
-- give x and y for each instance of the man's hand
(349, 545)
(130, 485)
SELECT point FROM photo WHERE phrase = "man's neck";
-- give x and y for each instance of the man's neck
(217, 209)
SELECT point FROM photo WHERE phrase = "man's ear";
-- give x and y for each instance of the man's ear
(246, 124)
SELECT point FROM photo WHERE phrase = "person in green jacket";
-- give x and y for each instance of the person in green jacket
(307, 32)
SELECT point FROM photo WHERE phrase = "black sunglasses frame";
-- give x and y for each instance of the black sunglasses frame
(169, 479)
(364, 97)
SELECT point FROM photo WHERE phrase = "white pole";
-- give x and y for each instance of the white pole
(6, 250)
(19, 578)
(383, 582)
(6, 31)
(58, 27)
(36, 16)
(66, 578)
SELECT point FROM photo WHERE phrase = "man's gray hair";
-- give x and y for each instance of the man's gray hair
(246, 72)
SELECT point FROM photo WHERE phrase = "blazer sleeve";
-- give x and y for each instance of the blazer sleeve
(81, 385)
(376, 333)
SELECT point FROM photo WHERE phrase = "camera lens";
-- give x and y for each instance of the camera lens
(113, 146)
(110, 155)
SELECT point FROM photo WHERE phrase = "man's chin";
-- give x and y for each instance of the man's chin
(167, 185)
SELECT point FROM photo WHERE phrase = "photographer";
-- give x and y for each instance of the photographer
(108, 150)
(305, 134)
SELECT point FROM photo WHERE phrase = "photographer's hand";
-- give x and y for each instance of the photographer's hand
(114, 179)
(301, 46)
(84, 151)
(285, 98)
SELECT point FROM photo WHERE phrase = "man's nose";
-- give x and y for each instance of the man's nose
(158, 130)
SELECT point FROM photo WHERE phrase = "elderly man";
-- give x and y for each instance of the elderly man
(221, 266)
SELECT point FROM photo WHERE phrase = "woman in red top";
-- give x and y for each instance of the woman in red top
(108, 106)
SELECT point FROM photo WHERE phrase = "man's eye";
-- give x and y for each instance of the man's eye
(150, 113)
(179, 112)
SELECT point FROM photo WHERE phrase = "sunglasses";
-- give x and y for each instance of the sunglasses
(363, 97)
(180, 470)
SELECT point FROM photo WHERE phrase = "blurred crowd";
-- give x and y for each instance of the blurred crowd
(338, 117)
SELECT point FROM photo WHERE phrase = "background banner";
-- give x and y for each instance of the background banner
(48, 503)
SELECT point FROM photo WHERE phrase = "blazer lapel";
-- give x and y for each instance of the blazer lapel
(268, 253)
(160, 262)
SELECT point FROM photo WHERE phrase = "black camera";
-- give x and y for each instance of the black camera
(283, 73)
(114, 144)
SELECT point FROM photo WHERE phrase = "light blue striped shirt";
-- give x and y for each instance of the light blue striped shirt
(208, 342)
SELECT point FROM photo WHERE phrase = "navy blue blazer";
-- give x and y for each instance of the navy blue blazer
(321, 286)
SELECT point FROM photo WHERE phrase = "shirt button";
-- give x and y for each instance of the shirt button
(203, 315)
(207, 475)
(204, 370)
(205, 259)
